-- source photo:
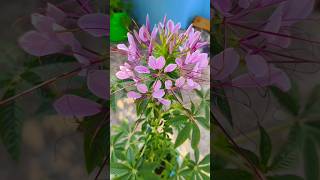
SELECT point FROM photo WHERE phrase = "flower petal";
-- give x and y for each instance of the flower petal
(224, 64)
(95, 24)
(38, 44)
(142, 88)
(170, 68)
(142, 69)
(71, 105)
(134, 95)
(180, 82)
(164, 101)
(122, 75)
(168, 84)
(157, 85)
(158, 94)
(160, 62)
(256, 65)
(152, 62)
(98, 83)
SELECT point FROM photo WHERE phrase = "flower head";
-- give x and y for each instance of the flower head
(163, 61)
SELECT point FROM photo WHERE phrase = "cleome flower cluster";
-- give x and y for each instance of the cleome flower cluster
(163, 60)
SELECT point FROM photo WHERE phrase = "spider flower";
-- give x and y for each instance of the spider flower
(163, 60)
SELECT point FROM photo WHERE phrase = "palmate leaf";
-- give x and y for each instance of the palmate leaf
(11, 126)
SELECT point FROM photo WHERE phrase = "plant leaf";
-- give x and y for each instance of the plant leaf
(289, 100)
(195, 136)
(265, 146)
(183, 135)
(223, 104)
(11, 126)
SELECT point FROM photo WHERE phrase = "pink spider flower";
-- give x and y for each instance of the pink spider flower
(164, 56)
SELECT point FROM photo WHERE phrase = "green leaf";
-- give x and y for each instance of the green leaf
(193, 107)
(232, 174)
(311, 160)
(141, 106)
(183, 135)
(265, 146)
(204, 122)
(223, 104)
(119, 169)
(11, 126)
(289, 100)
(95, 144)
(284, 177)
(195, 136)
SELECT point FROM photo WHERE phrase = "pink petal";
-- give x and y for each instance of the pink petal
(257, 65)
(170, 68)
(152, 62)
(158, 94)
(122, 75)
(180, 82)
(142, 69)
(157, 85)
(142, 88)
(179, 62)
(134, 95)
(224, 64)
(131, 41)
(95, 24)
(168, 84)
(170, 25)
(164, 101)
(38, 44)
(143, 34)
(66, 37)
(154, 33)
(147, 22)
(160, 62)
(42, 23)
(98, 83)
(122, 47)
(71, 105)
